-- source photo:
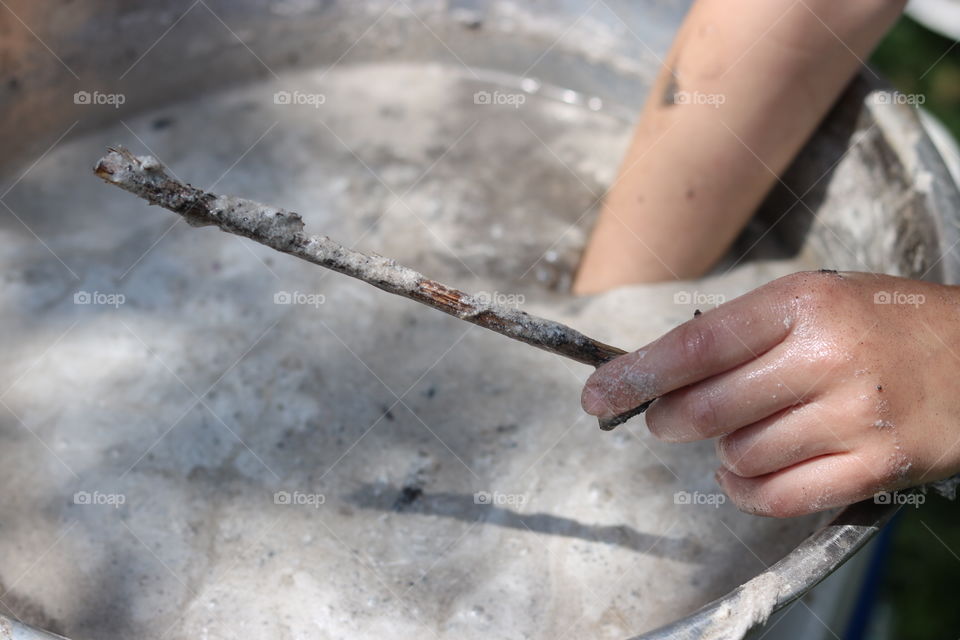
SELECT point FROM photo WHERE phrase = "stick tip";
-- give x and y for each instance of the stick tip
(120, 160)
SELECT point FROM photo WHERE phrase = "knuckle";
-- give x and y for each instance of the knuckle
(701, 413)
(730, 453)
(818, 285)
(815, 292)
(696, 341)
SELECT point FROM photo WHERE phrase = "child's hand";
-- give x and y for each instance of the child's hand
(822, 388)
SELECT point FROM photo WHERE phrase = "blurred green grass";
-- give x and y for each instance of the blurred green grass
(918, 590)
(918, 61)
(922, 575)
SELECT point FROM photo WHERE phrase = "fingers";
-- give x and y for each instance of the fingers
(714, 342)
(734, 399)
(783, 440)
(817, 484)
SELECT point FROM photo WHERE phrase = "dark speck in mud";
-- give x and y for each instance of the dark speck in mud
(467, 13)
(408, 495)
(472, 23)
(697, 313)
(162, 123)
(392, 112)
(506, 428)
(879, 387)
(430, 391)
(13, 84)
(833, 271)
(387, 413)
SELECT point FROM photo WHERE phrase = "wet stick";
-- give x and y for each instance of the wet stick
(283, 230)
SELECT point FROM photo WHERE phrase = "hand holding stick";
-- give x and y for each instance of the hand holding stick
(283, 230)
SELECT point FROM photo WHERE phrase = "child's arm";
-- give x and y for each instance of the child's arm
(744, 86)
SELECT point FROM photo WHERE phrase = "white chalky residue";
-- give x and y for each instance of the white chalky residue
(752, 606)
(304, 392)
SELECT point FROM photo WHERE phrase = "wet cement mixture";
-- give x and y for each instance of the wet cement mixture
(202, 438)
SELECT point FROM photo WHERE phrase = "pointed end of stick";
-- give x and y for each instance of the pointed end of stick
(119, 162)
(609, 424)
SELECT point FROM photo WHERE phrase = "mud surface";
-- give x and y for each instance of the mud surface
(200, 438)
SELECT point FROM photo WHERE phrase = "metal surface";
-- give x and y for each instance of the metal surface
(908, 233)
(803, 569)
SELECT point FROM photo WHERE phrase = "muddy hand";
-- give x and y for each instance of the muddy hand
(821, 389)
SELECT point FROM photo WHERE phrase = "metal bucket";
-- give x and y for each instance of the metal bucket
(869, 192)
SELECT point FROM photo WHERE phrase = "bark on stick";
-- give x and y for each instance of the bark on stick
(282, 230)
